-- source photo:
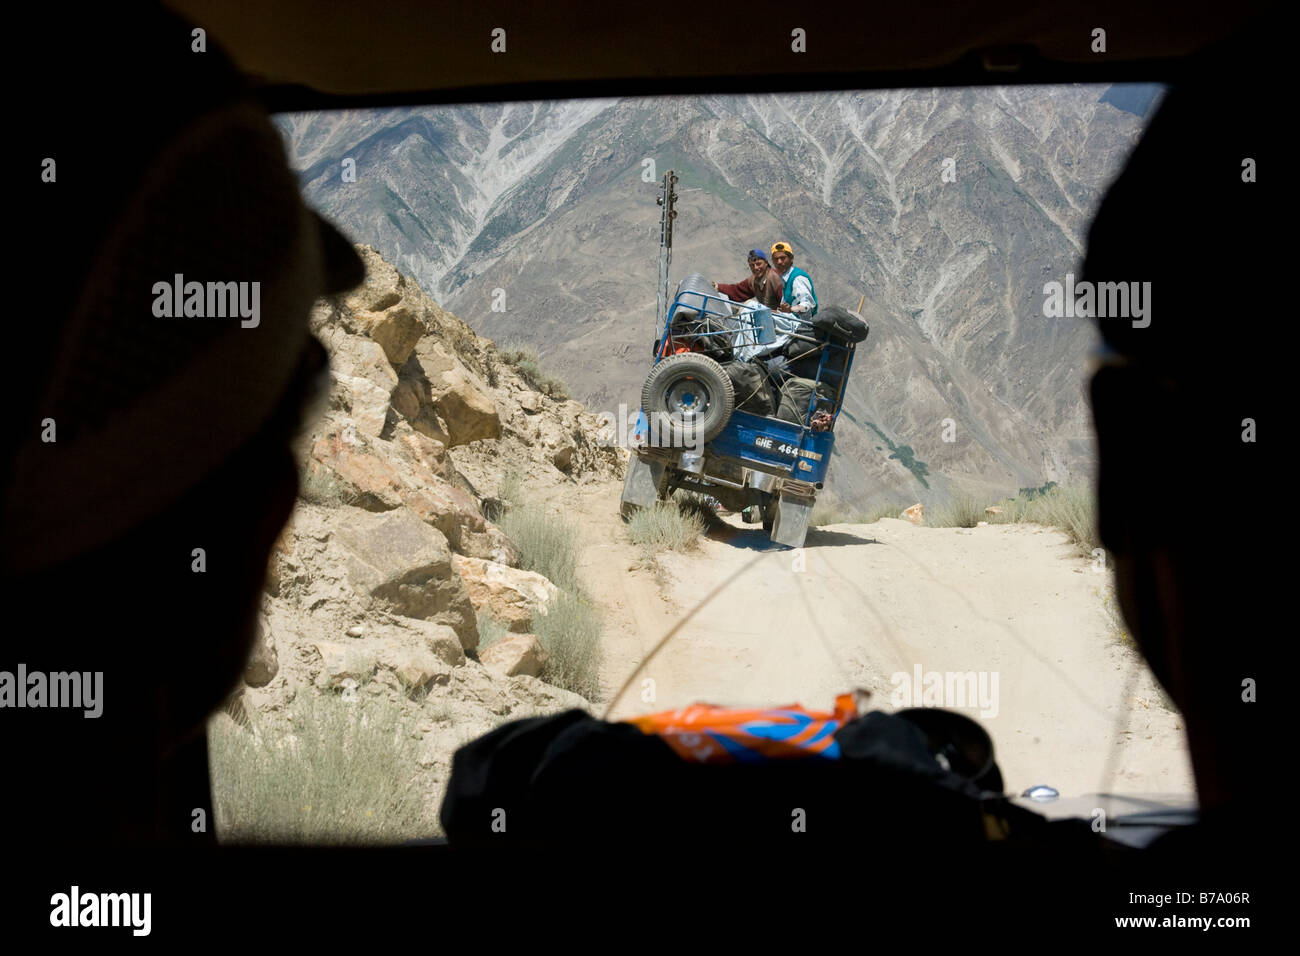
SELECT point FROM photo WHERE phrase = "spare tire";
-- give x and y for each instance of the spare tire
(692, 394)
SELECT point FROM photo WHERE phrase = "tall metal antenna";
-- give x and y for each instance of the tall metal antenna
(667, 197)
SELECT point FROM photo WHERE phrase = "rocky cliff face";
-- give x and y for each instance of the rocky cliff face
(533, 221)
(377, 583)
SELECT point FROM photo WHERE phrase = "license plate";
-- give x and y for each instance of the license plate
(776, 446)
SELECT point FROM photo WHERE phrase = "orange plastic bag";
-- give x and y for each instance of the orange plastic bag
(705, 733)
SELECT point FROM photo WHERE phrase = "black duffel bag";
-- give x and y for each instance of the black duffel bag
(838, 323)
(749, 382)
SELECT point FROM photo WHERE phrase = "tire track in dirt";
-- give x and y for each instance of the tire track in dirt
(861, 604)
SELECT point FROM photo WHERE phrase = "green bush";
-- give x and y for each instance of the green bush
(490, 630)
(525, 360)
(343, 775)
(883, 511)
(547, 543)
(570, 631)
(963, 511)
(1029, 494)
(828, 512)
(669, 526)
(1074, 510)
(512, 489)
(1071, 508)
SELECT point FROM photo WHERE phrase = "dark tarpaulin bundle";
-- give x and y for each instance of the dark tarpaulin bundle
(841, 324)
(572, 779)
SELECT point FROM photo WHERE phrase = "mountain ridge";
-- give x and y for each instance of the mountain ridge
(534, 223)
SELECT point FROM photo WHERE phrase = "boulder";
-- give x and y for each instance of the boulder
(411, 399)
(557, 441)
(438, 387)
(419, 385)
(396, 330)
(538, 695)
(365, 478)
(422, 452)
(364, 401)
(356, 356)
(510, 595)
(515, 654)
(465, 404)
(441, 641)
(455, 513)
(369, 473)
(404, 565)
(446, 507)
(430, 360)
(490, 543)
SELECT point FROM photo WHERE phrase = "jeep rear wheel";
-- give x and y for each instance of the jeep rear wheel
(693, 395)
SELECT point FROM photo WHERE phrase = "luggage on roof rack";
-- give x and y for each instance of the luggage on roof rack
(840, 323)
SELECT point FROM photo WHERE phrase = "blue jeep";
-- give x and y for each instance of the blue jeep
(690, 433)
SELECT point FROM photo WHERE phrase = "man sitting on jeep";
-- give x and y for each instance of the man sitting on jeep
(798, 295)
(763, 284)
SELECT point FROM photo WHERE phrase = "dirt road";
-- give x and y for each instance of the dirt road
(1003, 623)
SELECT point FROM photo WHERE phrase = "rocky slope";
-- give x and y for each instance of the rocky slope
(377, 583)
(533, 221)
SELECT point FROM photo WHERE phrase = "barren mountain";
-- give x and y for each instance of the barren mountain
(536, 223)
